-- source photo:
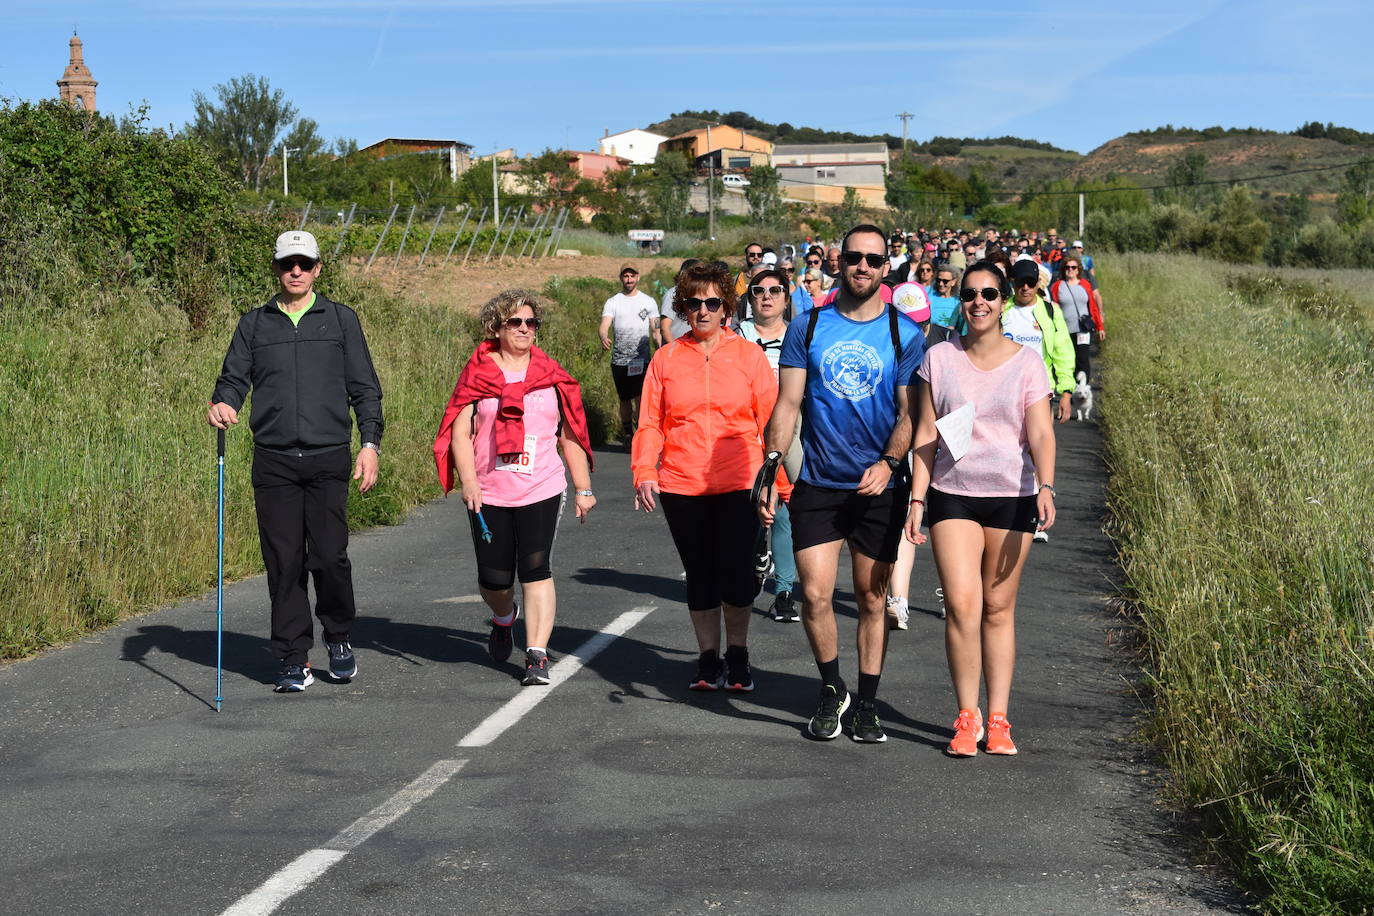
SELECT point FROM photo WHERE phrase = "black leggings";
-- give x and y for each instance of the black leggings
(715, 537)
(1081, 353)
(521, 541)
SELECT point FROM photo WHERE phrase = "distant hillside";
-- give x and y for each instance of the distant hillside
(787, 133)
(1145, 156)
(1234, 153)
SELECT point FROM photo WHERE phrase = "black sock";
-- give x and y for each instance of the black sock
(868, 687)
(830, 674)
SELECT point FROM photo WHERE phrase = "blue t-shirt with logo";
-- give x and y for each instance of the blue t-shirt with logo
(850, 403)
(943, 310)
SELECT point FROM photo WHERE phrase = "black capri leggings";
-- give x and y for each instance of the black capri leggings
(715, 537)
(521, 541)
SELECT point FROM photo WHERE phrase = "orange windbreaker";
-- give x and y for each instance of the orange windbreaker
(701, 418)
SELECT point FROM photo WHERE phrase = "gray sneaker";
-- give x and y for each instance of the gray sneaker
(293, 678)
(342, 665)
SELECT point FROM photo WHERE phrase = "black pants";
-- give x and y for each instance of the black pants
(715, 536)
(302, 505)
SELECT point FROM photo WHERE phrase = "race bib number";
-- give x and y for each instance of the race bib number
(1084, 337)
(522, 463)
(635, 368)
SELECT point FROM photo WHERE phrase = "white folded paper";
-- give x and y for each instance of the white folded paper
(956, 430)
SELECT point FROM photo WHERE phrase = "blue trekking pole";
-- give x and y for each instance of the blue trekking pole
(219, 588)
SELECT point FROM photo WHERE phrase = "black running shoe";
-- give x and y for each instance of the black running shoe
(342, 665)
(867, 728)
(738, 677)
(536, 669)
(293, 678)
(825, 724)
(710, 672)
(499, 641)
(783, 609)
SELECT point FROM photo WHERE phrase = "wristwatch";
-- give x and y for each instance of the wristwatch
(585, 493)
(893, 464)
(374, 446)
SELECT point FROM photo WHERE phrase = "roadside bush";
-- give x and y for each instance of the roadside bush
(1237, 463)
(124, 203)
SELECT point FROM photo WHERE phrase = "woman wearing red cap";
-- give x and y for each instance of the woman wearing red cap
(511, 411)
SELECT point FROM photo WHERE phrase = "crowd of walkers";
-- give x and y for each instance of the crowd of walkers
(877, 393)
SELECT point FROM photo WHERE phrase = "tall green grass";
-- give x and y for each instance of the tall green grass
(1239, 422)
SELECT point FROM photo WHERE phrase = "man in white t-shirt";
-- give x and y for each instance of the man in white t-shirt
(633, 313)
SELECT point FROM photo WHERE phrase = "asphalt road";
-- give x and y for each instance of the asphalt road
(418, 789)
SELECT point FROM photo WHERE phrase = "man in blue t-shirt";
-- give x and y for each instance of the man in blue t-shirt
(851, 371)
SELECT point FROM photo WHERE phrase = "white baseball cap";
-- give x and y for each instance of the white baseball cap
(296, 241)
(770, 258)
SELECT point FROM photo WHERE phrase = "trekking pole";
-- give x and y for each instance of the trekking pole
(219, 588)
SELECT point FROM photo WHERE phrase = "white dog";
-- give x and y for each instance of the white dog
(1082, 397)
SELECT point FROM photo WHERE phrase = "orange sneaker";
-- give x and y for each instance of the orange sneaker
(968, 731)
(999, 736)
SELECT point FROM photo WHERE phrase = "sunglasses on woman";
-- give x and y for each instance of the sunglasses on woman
(852, 258)
(761, 291)
(513, 324)
(989, 293)
(693, 303)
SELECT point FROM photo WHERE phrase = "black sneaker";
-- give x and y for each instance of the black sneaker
(499, 641)
(867, 728)
(342, 665)
(783, 609)
(825, 724)
(738, 677)
(293, 678)
(710, 672)
(536, 669)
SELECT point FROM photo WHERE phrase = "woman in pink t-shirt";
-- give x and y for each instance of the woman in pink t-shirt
(984, 406)
(511, 412)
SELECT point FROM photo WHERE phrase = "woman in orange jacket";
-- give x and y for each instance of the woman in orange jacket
(707, 398)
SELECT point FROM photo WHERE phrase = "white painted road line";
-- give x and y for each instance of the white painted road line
(496, 723)
(301, 873)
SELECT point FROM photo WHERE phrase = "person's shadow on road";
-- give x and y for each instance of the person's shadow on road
(249, 656)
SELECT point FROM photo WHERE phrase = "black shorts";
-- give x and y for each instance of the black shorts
(627, 386)
(521, 542)
(1007, 513)
(871, 524)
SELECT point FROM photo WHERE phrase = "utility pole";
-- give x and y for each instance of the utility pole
(495, 192)
(905, 116)
(710, 188)
(286, 188)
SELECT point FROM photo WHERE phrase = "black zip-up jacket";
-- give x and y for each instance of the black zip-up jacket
(304, 377)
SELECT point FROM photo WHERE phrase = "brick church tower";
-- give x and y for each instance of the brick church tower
(76, 87)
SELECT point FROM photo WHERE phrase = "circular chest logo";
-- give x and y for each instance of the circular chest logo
(851, 370)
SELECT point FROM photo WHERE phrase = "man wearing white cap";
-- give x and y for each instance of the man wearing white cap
(306, 361)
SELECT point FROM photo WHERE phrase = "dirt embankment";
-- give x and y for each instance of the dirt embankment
(467, 287)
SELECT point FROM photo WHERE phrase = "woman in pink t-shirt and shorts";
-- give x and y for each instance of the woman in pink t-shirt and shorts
(983, 437)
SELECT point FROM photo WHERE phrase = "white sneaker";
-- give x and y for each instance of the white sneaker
(898, 613)
(1041, 536)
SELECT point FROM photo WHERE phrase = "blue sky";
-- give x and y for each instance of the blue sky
(554, 73)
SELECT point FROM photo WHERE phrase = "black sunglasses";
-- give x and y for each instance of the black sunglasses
(852, 258)
(811, 263)
(990, 294)
(285, 264)
(514, 323)
(924, 269)
(773, 290)
(693, 303)
(753, 254)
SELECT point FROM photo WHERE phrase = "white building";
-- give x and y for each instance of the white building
(638, 146)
